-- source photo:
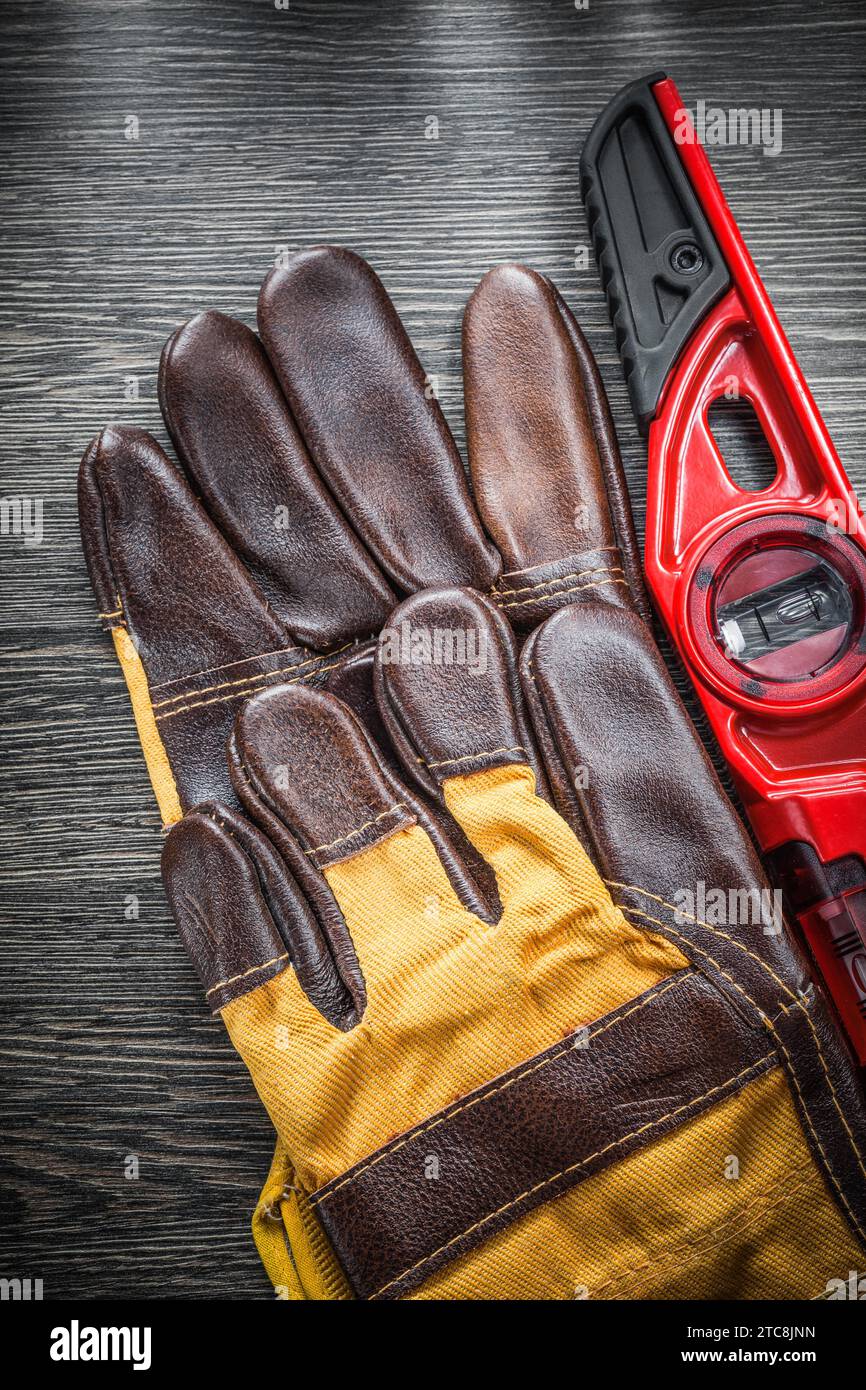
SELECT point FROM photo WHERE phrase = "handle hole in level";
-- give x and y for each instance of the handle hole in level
(742, 443)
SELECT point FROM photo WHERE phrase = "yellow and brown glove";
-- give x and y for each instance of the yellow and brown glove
(583, 1091)
(460, 1038)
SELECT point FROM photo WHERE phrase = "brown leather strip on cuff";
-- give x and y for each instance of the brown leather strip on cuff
(536, 1131)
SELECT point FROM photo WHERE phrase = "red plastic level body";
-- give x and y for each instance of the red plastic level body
(798, 750)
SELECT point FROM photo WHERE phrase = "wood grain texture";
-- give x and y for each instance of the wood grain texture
(258, 128)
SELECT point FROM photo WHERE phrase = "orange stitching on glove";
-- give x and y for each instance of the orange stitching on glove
(854, 1222)
(485, 753)
(562, 579)
(635, 888)
(253, 970)
(796, 1001)
(239, 694)
(598, 584)
(665, 926)
(242, 680)
(341, 840)
(526, 1070)
(530, 569)
(615, 1143)
(116, 612)
(241, 661)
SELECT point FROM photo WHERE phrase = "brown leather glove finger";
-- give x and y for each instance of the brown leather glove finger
(544, 460)
(245, 458)
(630, 774)
(371, 423)
(244, 916)
(543, 453)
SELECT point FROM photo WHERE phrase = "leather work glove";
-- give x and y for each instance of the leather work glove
(320, 485)
(588, 1093)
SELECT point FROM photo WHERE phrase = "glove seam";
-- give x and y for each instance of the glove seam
(761, 1199)
(796, 1002)
(484, 753)
(699, 922)
(769, 1024)
(263, 683)
(844, 1200)
(543, 564)
(559, 579)
(243, 680)
(771, 1057)
(342, 839)
(628, 910)
(232, 979)
(116, 613)
(525, 1069)
(575, 589)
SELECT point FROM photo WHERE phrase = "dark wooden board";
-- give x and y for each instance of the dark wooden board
(260, 127)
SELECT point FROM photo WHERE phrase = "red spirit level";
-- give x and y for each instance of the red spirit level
(764, 593)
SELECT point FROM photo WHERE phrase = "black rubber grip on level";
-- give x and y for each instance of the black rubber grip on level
(660, 265)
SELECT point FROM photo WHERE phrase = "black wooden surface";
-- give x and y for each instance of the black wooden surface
(261, 127)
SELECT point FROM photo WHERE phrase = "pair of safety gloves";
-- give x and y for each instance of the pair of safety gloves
(442, 830)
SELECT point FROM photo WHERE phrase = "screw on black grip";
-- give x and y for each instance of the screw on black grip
(660, 265)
